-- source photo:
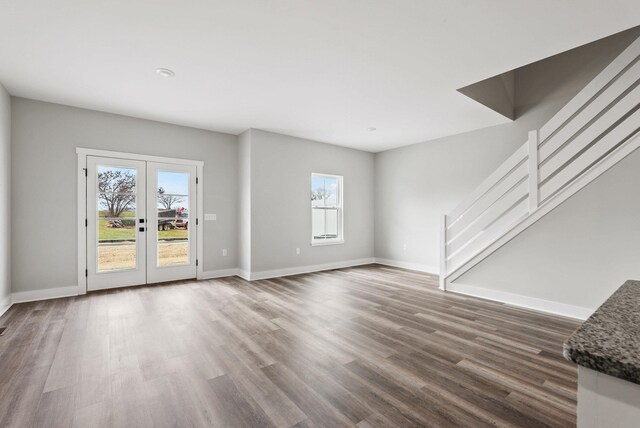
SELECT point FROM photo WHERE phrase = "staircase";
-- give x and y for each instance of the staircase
(592, 133)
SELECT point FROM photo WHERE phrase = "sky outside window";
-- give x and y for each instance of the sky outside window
(175, 183)
(325, 189)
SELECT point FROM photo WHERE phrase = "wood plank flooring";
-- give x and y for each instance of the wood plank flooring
(370, 347)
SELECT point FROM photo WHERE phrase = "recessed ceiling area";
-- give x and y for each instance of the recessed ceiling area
(497, 93)
(328, 71)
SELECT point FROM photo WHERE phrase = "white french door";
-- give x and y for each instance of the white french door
(139, 222)
(171, 237)
(116, 199)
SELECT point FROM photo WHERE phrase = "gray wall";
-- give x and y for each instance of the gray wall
(281, 168)
(415, 185)
(5, 197)
(44, 139)
(578, 254)
(258, 184)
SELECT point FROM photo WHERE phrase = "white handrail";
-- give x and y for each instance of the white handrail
(628, 57)
(533, 171)
(599, 120)
(491, 197)
(512, 162)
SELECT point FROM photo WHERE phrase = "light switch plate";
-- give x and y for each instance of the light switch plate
(209, 217)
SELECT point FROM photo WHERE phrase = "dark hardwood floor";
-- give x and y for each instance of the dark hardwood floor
(369, 346)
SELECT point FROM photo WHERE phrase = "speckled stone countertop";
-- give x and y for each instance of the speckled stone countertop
(609, 341)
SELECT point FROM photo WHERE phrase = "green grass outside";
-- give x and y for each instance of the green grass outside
(175, 233)
(105, 213)
(106, 232)
(110, 233)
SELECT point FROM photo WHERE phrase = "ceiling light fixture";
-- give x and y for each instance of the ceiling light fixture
(371, 129)
(165, 72)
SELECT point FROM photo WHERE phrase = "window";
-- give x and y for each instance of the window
(326, 209)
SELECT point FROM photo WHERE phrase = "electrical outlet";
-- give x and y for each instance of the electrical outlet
(404, 247)
(297, 251)
(224, 252)
(209, 217)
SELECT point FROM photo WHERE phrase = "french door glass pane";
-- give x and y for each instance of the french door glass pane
(173, 218)
(116, 218)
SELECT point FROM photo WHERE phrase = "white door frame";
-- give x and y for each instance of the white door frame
(82, 204)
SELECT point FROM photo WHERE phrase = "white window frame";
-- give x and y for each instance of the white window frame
(340, 206)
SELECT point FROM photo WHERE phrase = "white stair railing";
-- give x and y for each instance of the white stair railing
(594, 131)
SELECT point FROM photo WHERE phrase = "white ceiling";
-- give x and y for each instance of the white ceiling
(320, 69)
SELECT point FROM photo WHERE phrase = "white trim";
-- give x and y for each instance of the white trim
(246, 275)
(5, 304)
(82, 229)
(54, 293)
(276, 273)
(534, 182)
(200, 217)
(442, 283)
(535, 303)
(136, 156)
(220, 273)
(320, 243)
(44, 294)
(434, 270)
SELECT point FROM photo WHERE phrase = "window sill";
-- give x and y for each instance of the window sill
(323, 243)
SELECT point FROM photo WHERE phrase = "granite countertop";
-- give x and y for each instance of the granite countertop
(609, 341)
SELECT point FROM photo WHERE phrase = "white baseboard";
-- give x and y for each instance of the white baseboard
(220, 273)
(5, 304)
(542, 305)
(54, 293)
(435, 270)
(47, 293)
(266, 274)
